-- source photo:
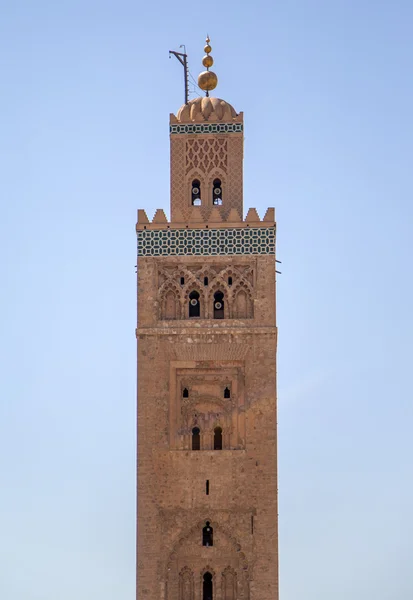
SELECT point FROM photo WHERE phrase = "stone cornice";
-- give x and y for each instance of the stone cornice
(203, 330)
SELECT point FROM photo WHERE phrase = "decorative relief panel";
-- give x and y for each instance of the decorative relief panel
(206, 154)
(186, 584)
(225, 561)
(206, 242)
(178, 282)
(229, 584)
(206, 399)
(235, 178)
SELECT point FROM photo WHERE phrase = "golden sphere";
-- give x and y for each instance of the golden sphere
(207, 49)
(207, 61)
(207, 81)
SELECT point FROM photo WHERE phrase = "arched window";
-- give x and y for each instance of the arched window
(196, 192)
(170, 305)
(207, 586)
(242, 305)
(185, 393)
(229, 584)
(194, 305)
(227, 392)
(186, 584)
(217, 438)
(216, 192)
(196, 439)
(207, 535)
(218, 305)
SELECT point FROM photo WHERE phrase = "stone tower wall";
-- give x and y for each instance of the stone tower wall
(206, 152)
(242, 501)
(211, 375)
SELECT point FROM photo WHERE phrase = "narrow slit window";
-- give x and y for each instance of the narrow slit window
(252, 524)
(185, 393)
(227, 392)
(207, 487)
(229, 280)
(207, 535)
(205, 280)
(182, 280)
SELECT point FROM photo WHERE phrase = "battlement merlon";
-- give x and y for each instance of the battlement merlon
(214, 220)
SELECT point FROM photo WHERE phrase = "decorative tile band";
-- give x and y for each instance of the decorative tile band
(207, 128)
(206, 242)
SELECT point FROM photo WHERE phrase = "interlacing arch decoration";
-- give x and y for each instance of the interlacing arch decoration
(229, 584)
(196, 531)
(242, 304)
(189, 277)
(206, 154)
(170, 301)
(178, 283)
(192, 402)
(186, 584)
(237, 277)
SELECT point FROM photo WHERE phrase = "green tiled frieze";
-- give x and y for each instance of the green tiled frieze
(206, 128)
(206, 242)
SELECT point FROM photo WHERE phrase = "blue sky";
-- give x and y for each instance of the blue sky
(327, 94)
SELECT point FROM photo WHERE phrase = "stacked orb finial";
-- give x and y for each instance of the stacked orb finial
(207, 80)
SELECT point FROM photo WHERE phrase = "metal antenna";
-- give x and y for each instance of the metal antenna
(183, 59)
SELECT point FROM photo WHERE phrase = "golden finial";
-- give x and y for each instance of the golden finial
(207, 80)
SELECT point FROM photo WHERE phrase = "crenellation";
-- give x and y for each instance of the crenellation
(197, 219)
(159, 217)
(142, 217)
(269, 215)
(252, 216)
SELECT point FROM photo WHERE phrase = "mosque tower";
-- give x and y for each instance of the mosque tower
(207, 525)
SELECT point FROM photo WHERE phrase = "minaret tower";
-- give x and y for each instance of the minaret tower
(207, 340)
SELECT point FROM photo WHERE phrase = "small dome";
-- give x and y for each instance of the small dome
(206, 109)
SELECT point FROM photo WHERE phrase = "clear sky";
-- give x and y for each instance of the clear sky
(326, 89)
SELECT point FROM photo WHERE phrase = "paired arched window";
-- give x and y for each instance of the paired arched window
(217, 192)
(194, 305)
(196, 438)
(218, 305)
(196, 193)
(207, 535)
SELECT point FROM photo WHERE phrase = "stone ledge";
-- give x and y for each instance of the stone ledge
(191, 331)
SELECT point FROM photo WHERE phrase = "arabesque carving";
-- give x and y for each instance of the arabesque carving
(173, 296)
